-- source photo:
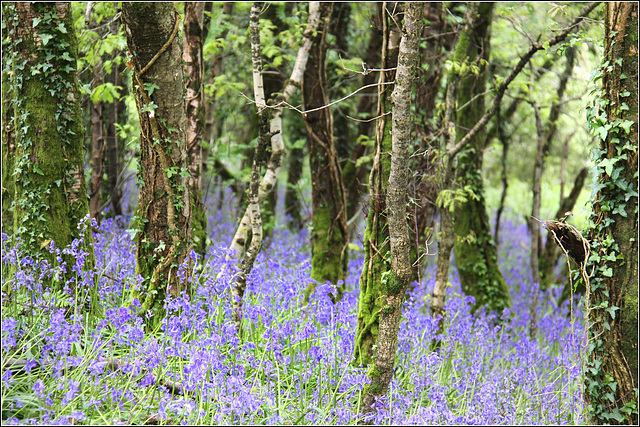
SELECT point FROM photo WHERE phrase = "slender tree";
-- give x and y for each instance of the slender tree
(163, 223)
(376, 235)
(400, 273)
(329, 236)
(192, 54)
(97, 134)
(250, 222)
(44, 130)
(611, 371)
(454, 144)
(474, 248)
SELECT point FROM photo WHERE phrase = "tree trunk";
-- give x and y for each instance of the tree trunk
(249, 219)
(396, 200)
(475, 251)
(50, 193)
(354, 176)
(193, 42)
(211, 126)
(8, 143)
(115, 147)
(376, 235)
(164, 230)
(612, 294)
(329, 238)
(97, 141)
(259, 158)
(423, 185)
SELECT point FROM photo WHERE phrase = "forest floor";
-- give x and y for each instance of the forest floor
(294, 364)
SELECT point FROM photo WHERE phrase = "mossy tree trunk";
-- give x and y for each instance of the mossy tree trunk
(475, 251)
(164, 237)
(612, 328)
(50, 197)
(376, 236)
(329, 237)
(8, 143)
(400, 274)
(192, 54)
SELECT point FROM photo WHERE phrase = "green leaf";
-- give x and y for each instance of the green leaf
(607, 272)
(626, 125)
(45, 38)
(608, 164)
(150, 87)
(62, 28)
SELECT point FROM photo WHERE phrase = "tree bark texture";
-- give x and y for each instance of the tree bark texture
(45, 129)
(545, 135)
(376, 236)
(475, 251)
(329, 236)
(612, 352)
(239, 285)
(396, 200)
(240, 238)
(164, 237)
(97, 142)
(192, 54)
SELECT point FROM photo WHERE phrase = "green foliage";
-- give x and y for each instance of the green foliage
(612, 191)
(451, 198)
(50, 197)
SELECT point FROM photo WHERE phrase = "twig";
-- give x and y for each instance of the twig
(501, 90)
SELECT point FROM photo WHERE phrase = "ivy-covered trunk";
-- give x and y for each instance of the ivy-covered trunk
(612, 308)
(329, 237)
(376, 236)
(193, 43)
(163, 223)
(45, 131)
(475, 251)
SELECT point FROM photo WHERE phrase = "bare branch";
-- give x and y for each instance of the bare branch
(523, 61)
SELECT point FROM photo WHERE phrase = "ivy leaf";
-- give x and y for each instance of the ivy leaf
(45, 38)
(607, 272)
(626, 125)
(620, 210)
(608, 164)
(36, 21)
(62, 28)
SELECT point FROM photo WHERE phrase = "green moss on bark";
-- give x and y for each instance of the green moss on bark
(376, 244)
(475, 252)
(50, 193)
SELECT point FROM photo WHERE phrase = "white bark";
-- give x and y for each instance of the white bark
(277, 143)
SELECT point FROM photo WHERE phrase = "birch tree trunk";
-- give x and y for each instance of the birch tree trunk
(400, 274)
(248, 222)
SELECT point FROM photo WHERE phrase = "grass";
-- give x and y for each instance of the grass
(293, 365)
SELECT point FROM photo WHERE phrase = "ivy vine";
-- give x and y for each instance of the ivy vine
(612, 192)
